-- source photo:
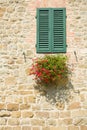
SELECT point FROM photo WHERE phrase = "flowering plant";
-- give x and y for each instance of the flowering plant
(50, 69)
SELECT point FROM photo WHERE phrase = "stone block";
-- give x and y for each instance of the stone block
(25, 121)
(82, 97)
(3, 121)
(2, 106)
(5, 114)
(36, 122)
(42, 114)
(12, 107)
(29, 99)
(10, 81)
(24, 106)
(54, 114)
(16, 114)
(67, 121)
(36, 128)
(13, 121)
(80, 121)
(26, 128)
(16, 128)
(65, 114)
(79, 113)
(58, 128)
(83, 127)
(6, 128)
(26, 92)
(36, 107)
(2, 11)
(27, 114)
(74, 105)
(17, 99)
(10, 9)
(73, 128)
(45, 128)
(51, 122)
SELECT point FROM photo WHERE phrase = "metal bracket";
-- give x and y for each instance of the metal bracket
(24, 56)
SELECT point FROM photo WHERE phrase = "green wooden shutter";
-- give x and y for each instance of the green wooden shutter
(51, 30)
(59, 30)
(43, 30)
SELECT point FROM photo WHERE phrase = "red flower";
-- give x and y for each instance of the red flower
(59, 75)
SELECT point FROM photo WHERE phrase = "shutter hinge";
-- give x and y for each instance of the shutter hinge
(66, 17)
(66, 45)
(36, 45)
(35, 17)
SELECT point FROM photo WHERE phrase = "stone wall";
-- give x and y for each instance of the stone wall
(22, 105)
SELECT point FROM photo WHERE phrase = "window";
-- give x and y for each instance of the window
(51, 30)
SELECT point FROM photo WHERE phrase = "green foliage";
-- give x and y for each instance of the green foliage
(50, 69)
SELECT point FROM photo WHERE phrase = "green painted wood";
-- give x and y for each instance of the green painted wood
(59, 30)
(51, 30)
(43, 30)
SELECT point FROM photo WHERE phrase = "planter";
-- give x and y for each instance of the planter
(50, 70)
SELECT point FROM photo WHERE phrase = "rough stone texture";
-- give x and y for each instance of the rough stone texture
(26, 128)
(73, 128)
(5, 114)
(22, 105)
(12, 107)
(28, 114)
(74, 105)
(16, 114)
(65, 114)
(83, 127)
(17, 128)
(2, 106)
(37, 122)
(13, 121)
(3, 121)
(36, 128)
(58, 128)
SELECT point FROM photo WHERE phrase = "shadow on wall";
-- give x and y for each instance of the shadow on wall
(56, 94)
